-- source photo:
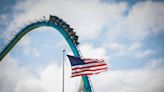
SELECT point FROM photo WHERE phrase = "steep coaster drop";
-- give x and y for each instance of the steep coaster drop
(63, 28)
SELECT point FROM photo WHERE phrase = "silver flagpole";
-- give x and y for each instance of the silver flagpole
(63, 68)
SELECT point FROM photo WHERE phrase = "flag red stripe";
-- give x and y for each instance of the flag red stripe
(86, 74)
(89, 66)
(89, 70)
(82, 75)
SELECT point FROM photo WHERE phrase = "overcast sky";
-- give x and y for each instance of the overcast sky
(129, 35)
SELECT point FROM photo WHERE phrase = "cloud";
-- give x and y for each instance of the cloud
(16, 78)
(88, 23)
(89, 51)
(26, 44)
(145, 53)
(155, 64)
(143, 19)
(11, 74)
(49, 80)
(134, 49)
(127, 36)
(136, 80)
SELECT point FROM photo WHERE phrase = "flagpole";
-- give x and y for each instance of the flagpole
(63, 69)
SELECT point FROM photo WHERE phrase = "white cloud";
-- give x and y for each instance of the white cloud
(11, 74)
(144, 19)
(133, 49)
(88, 18)
(15, 78)
(137, 80)
(145, 53)
(49, 80)
(155, 64)
(88, 51)
(30, 85)
(116, 46)
(26, 44)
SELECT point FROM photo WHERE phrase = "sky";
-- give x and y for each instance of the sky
(127, 34)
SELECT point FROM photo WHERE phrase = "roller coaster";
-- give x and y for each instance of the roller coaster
(64, 29)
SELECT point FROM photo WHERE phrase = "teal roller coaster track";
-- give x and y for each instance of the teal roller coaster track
(62, 27)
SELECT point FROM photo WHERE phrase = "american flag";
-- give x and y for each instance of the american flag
(86, 66)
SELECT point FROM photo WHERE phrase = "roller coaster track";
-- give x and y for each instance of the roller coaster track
(60, 26)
